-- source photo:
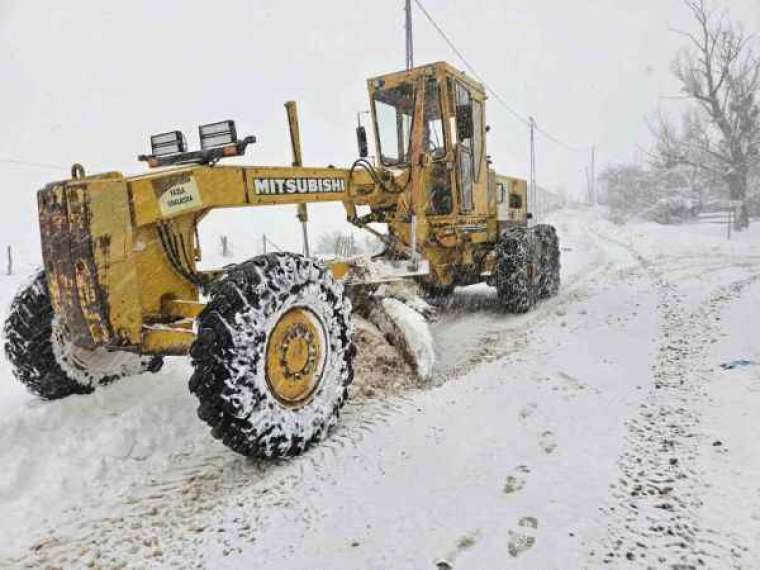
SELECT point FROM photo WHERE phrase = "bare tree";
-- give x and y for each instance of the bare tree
(344, 244)
(719, 72)
(337, 242)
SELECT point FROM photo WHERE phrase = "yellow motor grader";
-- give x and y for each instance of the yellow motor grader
(270, 338)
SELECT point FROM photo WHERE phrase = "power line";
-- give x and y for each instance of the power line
(466, 63)
(524, 120)
(555, 140)
(33, 164)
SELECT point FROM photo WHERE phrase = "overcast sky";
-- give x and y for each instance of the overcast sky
(89, 81)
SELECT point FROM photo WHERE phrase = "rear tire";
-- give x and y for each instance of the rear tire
(256, 400)
(515, 275)
(549, 277)
(46, 362)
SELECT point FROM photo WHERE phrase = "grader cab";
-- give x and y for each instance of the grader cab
(270, 338)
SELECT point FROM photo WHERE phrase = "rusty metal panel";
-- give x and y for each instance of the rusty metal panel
(112, 244)
(67, 252)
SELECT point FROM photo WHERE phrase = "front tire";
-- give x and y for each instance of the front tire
(273, 357)
(46, 362)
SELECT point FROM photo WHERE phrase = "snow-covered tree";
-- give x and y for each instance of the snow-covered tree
(629, 189)
(719, 72)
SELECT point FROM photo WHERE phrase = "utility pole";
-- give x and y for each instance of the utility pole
(409, 40)
(532, 190)
(593, 176)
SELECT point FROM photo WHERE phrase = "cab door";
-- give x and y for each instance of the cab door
(440, 201)
(464, 133)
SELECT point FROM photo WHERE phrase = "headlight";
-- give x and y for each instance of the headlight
(218, 134)
(168, 143)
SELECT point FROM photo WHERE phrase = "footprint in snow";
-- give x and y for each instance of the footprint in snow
(528, 410)
(465, 542)
(523, 538)
(547, 441)
(515, 483)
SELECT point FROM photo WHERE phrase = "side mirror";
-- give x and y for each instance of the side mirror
(529, 216)
(465, 128)
(361, 141)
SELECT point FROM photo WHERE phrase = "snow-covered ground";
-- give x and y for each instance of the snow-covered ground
(597, 429)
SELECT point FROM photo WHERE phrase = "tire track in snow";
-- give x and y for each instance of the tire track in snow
(654, 515)
(172, 519)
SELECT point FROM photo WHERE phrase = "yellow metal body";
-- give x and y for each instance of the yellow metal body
(108, 239)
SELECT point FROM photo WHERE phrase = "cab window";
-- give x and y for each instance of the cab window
(463, 108)
(433, 132)
(499, 193)
(440, 201)
(394, 109)
(515, 201)
(477, 137)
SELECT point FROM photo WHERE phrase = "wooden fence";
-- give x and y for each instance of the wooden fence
(722, 216)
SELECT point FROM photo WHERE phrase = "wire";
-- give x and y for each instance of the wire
(555, 140)
(466, 63)
(524, 120)
(270, 242)
(33, 164)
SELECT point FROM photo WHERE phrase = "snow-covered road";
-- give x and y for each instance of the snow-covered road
(597, 429)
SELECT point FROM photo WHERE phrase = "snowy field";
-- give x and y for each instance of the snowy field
(598, 430)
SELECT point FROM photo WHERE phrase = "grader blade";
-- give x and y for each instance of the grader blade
(407, 330)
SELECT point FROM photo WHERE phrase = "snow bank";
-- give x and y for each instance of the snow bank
(58, 455)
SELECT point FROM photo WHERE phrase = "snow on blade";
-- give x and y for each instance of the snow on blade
(413, 335)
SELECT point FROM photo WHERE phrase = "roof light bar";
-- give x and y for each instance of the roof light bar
(218, 140)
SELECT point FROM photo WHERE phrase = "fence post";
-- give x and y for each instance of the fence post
(264, 243)
(10, 261)
(225, 246)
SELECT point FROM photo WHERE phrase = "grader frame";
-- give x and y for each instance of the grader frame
(120, 252)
